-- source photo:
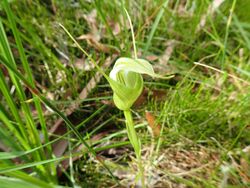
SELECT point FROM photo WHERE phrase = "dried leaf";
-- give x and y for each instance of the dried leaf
(156, 128)
(155, 94)
(94, 36)
(162, 67)
(142, 98)
(210, 11)
(92, 40)
(163, 60)
(152, 57)
(91, 20)
(115, 27)
(83, 64)
(244, 171)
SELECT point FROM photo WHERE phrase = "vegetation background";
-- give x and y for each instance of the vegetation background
(59, 127)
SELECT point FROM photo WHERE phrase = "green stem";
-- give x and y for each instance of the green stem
(135, 142)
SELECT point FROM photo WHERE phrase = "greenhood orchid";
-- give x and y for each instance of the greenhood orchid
(126, 80)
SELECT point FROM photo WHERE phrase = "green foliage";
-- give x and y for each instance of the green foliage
(200, 105)
(23, 129)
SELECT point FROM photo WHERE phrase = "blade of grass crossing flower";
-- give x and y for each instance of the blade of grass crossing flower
(116, 86)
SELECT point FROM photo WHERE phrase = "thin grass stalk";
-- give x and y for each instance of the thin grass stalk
(227, 32)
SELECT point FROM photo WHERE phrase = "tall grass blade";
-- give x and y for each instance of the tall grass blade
(154, 27)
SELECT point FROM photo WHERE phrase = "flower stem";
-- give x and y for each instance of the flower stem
(135, 142)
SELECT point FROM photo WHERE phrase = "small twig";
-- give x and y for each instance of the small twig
(222, 72)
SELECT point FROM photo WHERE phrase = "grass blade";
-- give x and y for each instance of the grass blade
(154, 27)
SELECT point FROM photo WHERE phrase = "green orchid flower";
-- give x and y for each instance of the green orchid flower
(126, 80)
